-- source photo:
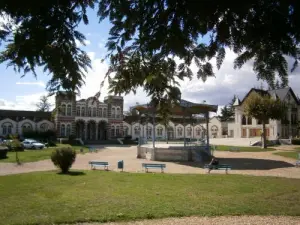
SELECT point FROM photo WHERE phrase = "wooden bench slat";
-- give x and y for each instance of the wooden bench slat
(154, 165)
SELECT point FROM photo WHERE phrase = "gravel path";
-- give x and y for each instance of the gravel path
(223, 220)
(249, 163)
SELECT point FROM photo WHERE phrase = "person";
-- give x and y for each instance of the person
(214, 162)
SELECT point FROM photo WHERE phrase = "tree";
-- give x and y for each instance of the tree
(227, 112)
(264, 108)
(45, 34)
(44, 105)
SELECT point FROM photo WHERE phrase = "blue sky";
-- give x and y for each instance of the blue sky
(24, 93)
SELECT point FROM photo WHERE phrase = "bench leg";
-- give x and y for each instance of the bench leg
(162, 170)
(226, 171)
(146, 169)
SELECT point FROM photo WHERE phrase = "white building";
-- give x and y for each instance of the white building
(247, 127)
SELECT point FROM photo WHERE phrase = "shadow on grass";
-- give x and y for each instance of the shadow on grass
(72, 173)
(245, 163)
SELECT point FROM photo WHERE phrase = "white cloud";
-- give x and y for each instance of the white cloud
(25, 102)
(86, 43)
(39, 83)
(219, 90)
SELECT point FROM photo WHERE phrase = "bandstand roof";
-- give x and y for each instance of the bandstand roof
(183, 108)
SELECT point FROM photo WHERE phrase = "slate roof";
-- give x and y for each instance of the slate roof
(22, 113)
(280, 93)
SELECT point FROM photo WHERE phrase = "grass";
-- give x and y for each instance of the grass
(288, 154)
(37, 155)
(243, 148)
(94, 196)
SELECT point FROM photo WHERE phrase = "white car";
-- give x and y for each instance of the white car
(33, 145)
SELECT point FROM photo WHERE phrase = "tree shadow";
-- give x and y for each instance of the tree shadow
(72, 173)
(245, 163)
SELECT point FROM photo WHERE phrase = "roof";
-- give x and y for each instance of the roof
(183, 108)
(23, 113)
(280, 93)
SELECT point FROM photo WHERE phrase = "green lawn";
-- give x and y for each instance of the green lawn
(243, 148)
(47, 197)
(288, 154)
(37, 155)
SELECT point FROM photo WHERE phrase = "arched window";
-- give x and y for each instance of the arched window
(117, 131)
(89, 111)
(112, 129)
(126, 131)
(68, 132)
(149, 131)
(113, 112)
(26, 127)
(189, 131)
(63, 110)
(44, 127)
(244, 120)
(249, 120)
(159, 131)
(7, 128)
(104, 112)
(100, 112)
(118, 113)
(198, 131)
(82, 111)
(77, 111)
(94, 111)
(179, 131)
(63, 130)
(69, 110)
(137, 130)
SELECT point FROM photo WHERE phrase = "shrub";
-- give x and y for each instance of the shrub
(3, 151)
(15, 145)
(63, 158)
(296, 141)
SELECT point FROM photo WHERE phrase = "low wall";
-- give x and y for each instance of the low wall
(172, 153)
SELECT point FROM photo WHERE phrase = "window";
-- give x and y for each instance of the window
(104, 112)
(117, 131)
(198, 131)
(94, 112)
(69, 110)
(7, 128)
(63, 130)
(112, 129)
(259, 122)
(118, 113)
(159, 131)
(26, 127)
(77, 111)
(244, 122)
(68, 132)
(136, 130)
(100, 112)
(113, 113)
(179, 131)
(63, 110)
(44, 127)
(249, 120)
(149, 131)
(89, 111)
(189, 131)
(82, 111)
(126, 131)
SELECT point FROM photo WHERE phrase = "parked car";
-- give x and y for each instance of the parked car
(33, 144)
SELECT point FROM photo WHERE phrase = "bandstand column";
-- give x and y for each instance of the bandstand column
(96, 124)
(85, 130)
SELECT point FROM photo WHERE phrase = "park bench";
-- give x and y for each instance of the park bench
(153, 166)
(95, 164)
(91, 149)
(234, 149)
(225, 167)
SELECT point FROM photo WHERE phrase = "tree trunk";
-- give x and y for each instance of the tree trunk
(264, 139)
(167, 138)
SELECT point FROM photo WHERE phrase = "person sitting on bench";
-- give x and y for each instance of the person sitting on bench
(214, 162)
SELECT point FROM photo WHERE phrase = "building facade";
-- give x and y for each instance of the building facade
(247, 127)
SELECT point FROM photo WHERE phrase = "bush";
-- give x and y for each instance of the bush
(128, 137)
(296, 141)
(3, 152)
(63, 158)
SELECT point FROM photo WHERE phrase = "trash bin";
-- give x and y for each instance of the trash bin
(121, 165)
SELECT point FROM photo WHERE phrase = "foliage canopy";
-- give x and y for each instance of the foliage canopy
(147, 35)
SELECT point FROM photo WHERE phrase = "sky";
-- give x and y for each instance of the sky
(24, 93)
